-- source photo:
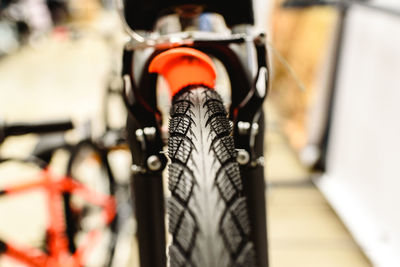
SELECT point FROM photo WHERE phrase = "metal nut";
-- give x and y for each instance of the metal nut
(154, 163)
(243, 157)
(150, 132)
(139, 135)
(135, 169)
(243, 127)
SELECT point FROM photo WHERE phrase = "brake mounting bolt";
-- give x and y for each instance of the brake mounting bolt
(150, 132)
(139, 135)
(243, 157)
(154, 163)
(244, 127)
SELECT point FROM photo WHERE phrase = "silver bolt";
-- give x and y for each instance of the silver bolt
(150, 132)
(135, 169)
(258, 162)
(139, 135)
(243, 157)
(154, 163)
(243, 127)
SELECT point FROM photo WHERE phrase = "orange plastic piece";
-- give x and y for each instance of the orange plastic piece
(184, 66)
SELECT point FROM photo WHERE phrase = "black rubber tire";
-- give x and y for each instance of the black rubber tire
(207, 212)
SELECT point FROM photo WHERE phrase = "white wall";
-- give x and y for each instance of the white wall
(363, 173)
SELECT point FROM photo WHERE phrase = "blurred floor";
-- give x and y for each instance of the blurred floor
(304, 231)
(67, 78)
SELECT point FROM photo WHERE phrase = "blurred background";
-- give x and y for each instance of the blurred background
(332, 136)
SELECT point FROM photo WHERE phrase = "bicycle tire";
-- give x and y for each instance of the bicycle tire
(101, 182)
(207, 212)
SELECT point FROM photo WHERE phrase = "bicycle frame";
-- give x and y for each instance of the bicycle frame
(58, 252)
(249, 85)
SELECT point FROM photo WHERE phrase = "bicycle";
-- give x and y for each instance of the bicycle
(216, 211)
(90, 162)
(57, 252)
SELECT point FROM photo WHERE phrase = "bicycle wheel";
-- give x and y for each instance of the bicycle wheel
(207, 213)
(88, 164)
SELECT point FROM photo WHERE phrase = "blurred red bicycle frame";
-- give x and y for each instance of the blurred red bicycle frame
(57, 242)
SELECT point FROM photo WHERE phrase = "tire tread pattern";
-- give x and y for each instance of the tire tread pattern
(185, 185)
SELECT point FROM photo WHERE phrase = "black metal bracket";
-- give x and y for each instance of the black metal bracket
(246, 115)
(145, 120)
